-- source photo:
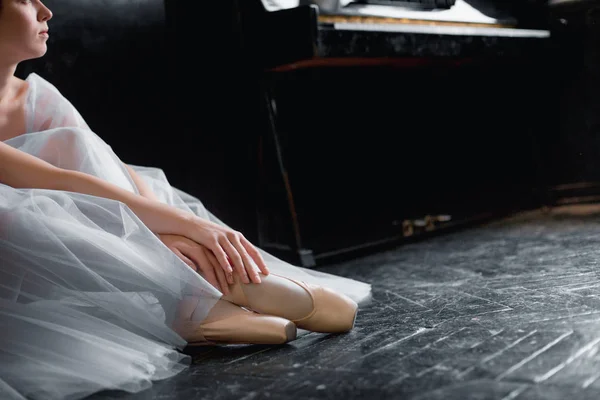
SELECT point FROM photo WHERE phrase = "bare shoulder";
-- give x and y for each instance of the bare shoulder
(18, 81)
(20, 86)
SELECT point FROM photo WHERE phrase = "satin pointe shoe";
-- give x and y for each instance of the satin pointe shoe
(228, 323)
(311, 307)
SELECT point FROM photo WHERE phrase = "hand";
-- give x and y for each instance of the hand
(200, 259)
(228, 246)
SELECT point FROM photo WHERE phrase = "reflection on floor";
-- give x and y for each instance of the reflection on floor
(506, 311)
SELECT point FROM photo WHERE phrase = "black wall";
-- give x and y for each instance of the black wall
(108, 59)
(572, 147)
(160, 83)
(216, 112)
(169, 85)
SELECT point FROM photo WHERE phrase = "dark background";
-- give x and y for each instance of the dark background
(171, 85)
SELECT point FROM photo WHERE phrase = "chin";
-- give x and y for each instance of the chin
(42, 51)
(37, 53)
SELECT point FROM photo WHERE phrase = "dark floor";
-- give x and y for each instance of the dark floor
(506, 311)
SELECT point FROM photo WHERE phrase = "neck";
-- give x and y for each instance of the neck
(6, 75)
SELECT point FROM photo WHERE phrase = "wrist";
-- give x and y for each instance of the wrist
(188, 223)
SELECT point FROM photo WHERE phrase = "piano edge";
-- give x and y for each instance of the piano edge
(307, 39)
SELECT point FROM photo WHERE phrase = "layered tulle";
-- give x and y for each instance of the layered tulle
(87, 292)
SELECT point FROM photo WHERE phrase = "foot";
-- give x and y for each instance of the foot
(228, 323)
(310, 307)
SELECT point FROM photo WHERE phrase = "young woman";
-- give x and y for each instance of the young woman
(106, 270)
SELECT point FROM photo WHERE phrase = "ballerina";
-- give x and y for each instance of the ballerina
(106, 270)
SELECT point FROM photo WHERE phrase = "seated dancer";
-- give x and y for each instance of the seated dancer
(106, 270)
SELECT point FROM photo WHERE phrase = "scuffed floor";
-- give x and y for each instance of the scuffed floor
(510, 310)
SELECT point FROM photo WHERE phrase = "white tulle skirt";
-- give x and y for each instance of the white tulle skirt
(87, 292)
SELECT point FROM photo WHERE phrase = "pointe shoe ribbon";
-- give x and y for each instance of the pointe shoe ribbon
(239, 326)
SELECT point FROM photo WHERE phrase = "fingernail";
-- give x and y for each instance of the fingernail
(257, 278)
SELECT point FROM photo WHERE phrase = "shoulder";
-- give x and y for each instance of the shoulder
(44, 95)
(19, 86)
(49, 108)
(35, 81)
(18, 81)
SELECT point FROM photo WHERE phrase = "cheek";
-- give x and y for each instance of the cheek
(18, 36)
(12, 32)
(20, 23)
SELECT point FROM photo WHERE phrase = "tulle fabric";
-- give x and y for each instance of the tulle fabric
(88, 293)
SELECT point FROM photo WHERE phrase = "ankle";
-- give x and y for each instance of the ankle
(276, 295)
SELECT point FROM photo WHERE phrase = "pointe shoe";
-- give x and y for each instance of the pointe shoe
(311, 307)
(230, 324)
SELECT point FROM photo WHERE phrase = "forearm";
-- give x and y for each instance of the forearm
(22, 170)
(158, 217)
(141, 185)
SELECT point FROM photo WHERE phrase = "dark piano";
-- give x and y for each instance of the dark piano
(305, 36)
(302, 39)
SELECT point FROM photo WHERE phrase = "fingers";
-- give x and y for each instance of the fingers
(255, 254)
(223, 281)
(186, 260)
(215, 263)
(250, 268)
(208, 272)
(234, 252)
(221, 256)
(235, 257)
(206, 269)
